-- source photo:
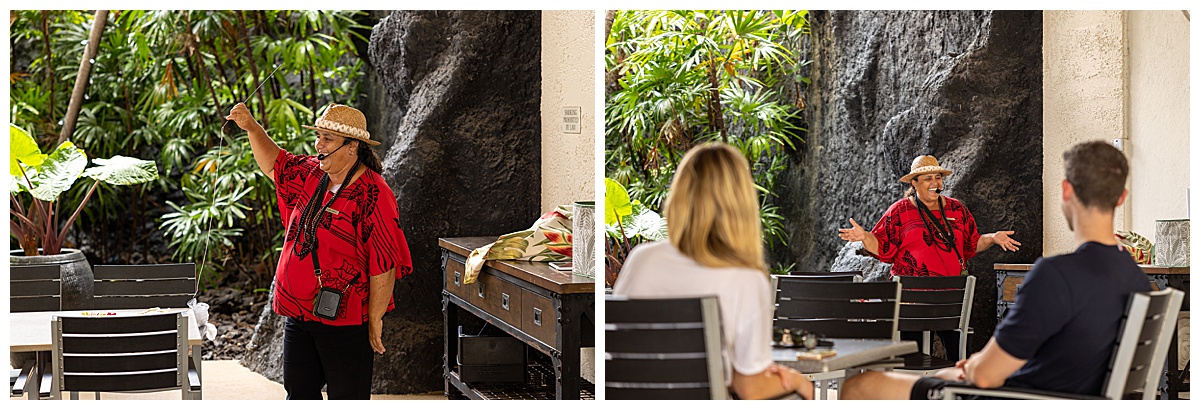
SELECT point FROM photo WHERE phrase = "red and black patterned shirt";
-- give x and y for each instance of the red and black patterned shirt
(915, 250)
(358, 237)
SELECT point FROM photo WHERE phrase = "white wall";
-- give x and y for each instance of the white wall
(1083, 99)
(568, 79)
(1158, 117)
(1117, 74)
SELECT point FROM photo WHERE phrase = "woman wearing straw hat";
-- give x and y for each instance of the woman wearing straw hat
(926, 233)
(715, 248)
(334, 295)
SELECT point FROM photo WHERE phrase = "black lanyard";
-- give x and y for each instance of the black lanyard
(311, 216)
(944, 232)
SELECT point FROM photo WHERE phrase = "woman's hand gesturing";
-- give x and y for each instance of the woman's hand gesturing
(853, 234)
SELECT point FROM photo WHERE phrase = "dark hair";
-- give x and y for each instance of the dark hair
(368, 158)
(1097, 172)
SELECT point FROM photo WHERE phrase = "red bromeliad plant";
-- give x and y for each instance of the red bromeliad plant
(43, 178)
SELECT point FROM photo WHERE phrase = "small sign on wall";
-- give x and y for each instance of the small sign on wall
(571, 120)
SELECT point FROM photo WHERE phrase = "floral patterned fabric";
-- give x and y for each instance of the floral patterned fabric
(914, 250)
(548, 240)
(359, 236)
(1137, 245)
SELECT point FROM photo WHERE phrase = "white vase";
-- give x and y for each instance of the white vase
(1172, 238)
(583, 227)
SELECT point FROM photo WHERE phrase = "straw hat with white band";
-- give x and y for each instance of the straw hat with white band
(924, 164)
(345, 121)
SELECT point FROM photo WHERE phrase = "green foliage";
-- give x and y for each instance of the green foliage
(160, 87)
(627, 224)
(683, 77)
(46, 177)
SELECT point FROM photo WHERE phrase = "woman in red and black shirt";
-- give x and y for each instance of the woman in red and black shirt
(343, 242)
(926, 233)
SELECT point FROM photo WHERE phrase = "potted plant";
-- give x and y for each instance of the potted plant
(627, 224)
(41, 179)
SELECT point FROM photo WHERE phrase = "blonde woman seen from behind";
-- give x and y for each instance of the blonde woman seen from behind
(715, 248)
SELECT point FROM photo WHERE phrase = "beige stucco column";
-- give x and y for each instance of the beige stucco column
(569, 80)
(1117, 75)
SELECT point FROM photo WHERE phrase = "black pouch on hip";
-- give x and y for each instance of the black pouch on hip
(327, 302)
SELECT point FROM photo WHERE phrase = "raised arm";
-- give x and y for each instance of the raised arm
(265, 149)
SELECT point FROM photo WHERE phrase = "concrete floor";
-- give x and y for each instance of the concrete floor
(228, 380)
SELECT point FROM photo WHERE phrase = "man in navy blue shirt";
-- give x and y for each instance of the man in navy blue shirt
(1060, 333)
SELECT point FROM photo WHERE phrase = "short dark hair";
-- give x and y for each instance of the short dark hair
(1097, 172)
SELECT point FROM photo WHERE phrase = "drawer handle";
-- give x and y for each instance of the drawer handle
(457, 278)
(537, 316)
(480, 290)
(504, 300)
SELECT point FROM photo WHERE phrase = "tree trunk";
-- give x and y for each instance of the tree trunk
(49, 64)
(85, 70)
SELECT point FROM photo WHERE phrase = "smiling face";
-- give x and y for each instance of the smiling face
(340, 159)
(925, 186)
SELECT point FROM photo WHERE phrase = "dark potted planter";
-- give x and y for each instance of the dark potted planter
(76, 275)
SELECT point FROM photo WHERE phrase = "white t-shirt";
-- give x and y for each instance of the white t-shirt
(744, 295)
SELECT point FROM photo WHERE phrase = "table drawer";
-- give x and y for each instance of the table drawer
(454, 274)
(496, 296)
(538, 318)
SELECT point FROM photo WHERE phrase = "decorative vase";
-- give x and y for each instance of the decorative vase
(583, 227)
(1172, 238)
(74, 271)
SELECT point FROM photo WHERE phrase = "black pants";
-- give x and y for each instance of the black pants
(316, 355)
(949, 340)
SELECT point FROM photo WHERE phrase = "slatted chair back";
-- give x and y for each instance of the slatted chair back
(668, 349)
(35, 288)
(1145, 336)
(143, 286)
(848, 276)
(936, 303)
(852, 310)
(1137, 361)
(140, 353)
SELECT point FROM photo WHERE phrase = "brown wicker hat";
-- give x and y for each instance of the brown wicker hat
(924, 164)
(345, 121)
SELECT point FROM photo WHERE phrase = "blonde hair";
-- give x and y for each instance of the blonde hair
(712, 209)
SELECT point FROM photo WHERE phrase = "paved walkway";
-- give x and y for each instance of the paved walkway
(228, 380)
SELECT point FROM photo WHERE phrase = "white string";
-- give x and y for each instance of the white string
(213, 200)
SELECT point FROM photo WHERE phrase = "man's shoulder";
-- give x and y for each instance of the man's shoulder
(1089, 260)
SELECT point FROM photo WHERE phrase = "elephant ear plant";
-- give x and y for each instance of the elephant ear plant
(628, 224)
(46, 177)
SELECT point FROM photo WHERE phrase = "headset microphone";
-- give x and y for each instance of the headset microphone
(939, 190)
(321, 157)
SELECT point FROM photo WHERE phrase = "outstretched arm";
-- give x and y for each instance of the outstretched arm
(998, 238)
(856, 233)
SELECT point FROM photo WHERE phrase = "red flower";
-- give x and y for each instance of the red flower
(557, 245)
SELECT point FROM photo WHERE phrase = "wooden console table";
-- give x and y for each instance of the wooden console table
(552, 311)
(1010, 277)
